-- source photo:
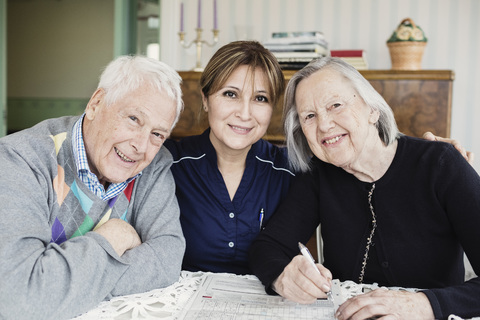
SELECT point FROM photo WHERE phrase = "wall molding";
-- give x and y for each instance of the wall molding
(23, 113)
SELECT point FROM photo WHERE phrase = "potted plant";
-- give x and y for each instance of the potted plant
(406, 46)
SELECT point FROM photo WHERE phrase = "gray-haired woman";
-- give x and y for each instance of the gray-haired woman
(394, 210)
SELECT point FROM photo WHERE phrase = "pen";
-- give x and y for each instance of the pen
(260, 219)
(306, 253)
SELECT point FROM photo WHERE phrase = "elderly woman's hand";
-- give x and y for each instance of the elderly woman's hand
(469, 156)
(386, 305)
(300, 282)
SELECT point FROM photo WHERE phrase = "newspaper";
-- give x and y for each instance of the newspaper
(224, 297)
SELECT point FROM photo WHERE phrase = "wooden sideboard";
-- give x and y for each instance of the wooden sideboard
(421, 101)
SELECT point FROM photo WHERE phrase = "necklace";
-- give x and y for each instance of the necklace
(370, 237)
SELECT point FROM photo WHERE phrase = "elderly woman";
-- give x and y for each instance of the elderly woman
(394, 210)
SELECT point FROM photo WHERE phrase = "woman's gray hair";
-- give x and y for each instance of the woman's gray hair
(128, 73)
(299, 152)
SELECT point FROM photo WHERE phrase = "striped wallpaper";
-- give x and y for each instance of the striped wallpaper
(451, 26)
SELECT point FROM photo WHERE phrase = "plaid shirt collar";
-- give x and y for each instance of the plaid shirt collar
(83, 169)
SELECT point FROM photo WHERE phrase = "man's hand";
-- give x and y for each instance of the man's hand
(121, 235)
(469, 156)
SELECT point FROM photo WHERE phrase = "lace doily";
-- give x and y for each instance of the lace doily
(167, 303)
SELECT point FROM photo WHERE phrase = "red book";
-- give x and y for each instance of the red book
(347, 53)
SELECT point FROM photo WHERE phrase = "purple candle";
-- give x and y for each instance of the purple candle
(181, 17)
(215, 14)
(199, 21)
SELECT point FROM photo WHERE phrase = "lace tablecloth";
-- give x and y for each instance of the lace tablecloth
(167, 303)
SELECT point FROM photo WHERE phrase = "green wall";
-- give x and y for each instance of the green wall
(56, 51)
(3, 66)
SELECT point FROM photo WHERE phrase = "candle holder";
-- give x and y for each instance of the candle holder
(199, 43)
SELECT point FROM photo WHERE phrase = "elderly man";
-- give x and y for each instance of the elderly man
(88, 203)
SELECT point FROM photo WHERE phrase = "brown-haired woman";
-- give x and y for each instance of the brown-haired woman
(230, 181)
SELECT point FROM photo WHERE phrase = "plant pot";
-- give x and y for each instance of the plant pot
(406, 55)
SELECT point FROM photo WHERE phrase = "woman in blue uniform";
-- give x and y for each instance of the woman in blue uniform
(230, 181)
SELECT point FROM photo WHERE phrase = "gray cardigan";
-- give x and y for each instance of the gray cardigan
(39, 191)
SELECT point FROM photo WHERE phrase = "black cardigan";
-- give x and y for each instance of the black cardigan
(428, 211)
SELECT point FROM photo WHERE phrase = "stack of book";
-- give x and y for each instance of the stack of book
(294, 50)
(356, 58)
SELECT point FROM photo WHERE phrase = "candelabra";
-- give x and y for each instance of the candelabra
(198, 43)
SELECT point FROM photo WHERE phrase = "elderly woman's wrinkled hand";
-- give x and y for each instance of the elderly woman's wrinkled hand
(300, 282)
(468, 155)
(386, 305)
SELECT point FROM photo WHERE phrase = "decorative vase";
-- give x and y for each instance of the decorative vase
(406, 46)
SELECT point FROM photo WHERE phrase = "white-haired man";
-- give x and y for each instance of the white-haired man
(88, 203)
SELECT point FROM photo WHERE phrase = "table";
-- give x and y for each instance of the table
(167, 303)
